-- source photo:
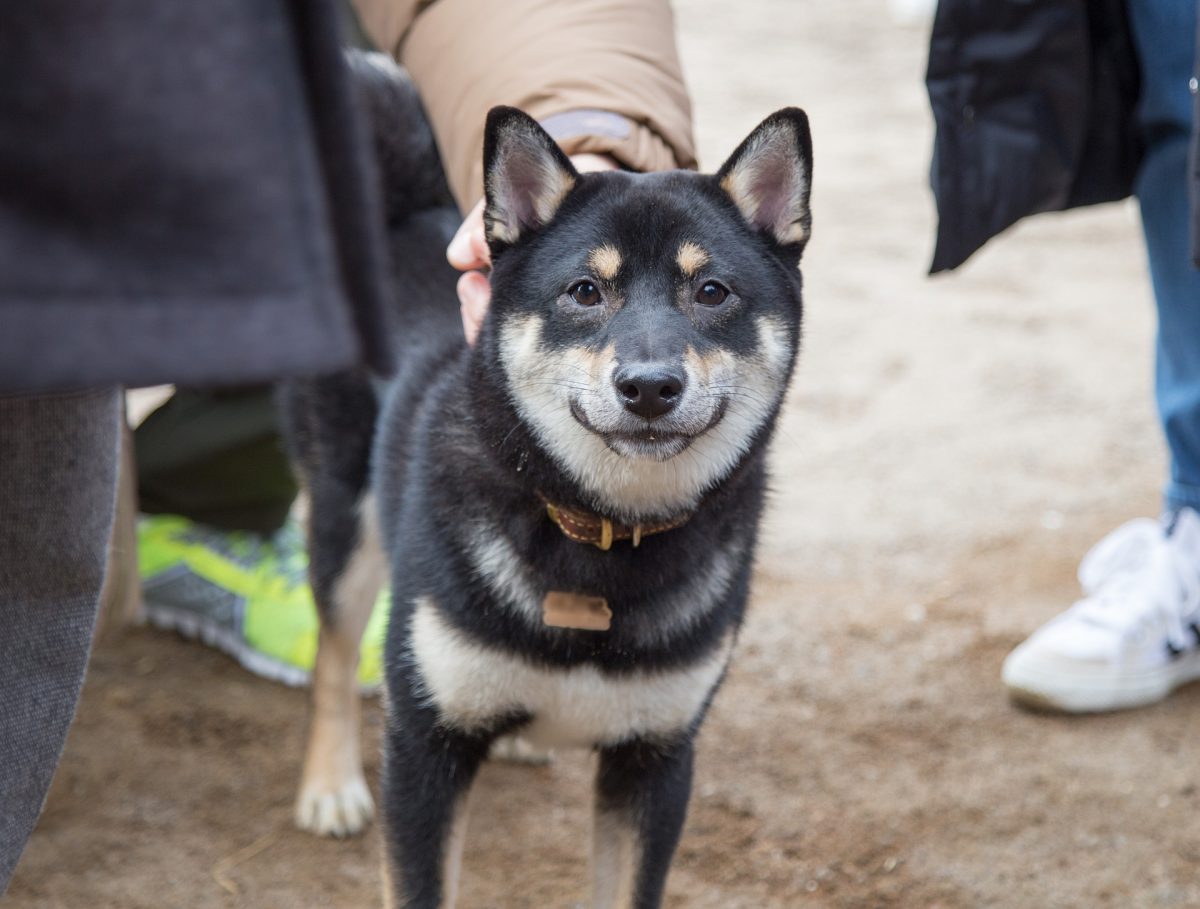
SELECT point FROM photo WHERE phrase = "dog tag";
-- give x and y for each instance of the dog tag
(576, 610)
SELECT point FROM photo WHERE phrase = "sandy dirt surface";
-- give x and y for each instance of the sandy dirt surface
(950, 449)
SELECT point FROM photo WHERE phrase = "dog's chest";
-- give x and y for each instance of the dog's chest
(473, 687)
(679, 605)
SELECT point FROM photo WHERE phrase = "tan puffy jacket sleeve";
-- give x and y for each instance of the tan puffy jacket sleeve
(601, 75)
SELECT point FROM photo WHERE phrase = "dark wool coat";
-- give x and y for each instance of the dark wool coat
(1034, 104)
(185, 195)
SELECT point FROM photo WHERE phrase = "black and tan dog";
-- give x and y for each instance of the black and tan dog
(569, 509)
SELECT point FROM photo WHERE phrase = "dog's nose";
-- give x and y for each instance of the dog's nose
(649, 390)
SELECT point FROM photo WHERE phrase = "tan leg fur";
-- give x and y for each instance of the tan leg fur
(333, 799)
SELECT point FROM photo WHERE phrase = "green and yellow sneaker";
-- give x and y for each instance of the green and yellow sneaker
(244, 594)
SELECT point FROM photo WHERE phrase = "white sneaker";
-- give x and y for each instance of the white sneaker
(1134, 637)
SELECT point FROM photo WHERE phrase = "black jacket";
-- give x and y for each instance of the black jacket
(185, 195)
(1034, 104)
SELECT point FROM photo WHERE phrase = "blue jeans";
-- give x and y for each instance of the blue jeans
(1164, 32)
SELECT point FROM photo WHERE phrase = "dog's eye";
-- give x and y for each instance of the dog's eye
(585, 293)
(711, 293)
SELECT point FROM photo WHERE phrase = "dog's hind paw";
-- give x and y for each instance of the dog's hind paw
(516, 750)
(344, 811)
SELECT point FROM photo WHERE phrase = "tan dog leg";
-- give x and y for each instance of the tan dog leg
(641, 800)
(333, 798)
(614, 851)
(389, 881)
(455, 843)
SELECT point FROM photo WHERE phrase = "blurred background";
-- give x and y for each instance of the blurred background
(950, 448)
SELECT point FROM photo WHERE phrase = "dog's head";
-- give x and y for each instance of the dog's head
(645, 325)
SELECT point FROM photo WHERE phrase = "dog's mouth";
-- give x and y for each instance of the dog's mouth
(648, 441)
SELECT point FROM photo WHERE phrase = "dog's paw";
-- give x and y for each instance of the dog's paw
(516, 750)
(341, 811)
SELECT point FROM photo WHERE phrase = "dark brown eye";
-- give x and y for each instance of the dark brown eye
(585, 293)
(711, 293)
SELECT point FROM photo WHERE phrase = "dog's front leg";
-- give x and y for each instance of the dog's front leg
(642, 790)
(427, 778)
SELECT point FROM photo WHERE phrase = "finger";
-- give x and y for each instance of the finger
(586, 162)
(474, 295)
(469, 250)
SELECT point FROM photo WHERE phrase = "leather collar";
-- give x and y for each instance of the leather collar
(602, 532)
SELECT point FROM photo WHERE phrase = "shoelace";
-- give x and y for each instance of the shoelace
(1134, 578)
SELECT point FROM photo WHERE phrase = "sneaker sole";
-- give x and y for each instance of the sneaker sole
(189, 625)
(1045, 688)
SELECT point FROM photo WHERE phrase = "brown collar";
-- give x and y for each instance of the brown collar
(586, 527)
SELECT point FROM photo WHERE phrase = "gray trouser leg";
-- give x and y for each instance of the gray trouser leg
(58, 473)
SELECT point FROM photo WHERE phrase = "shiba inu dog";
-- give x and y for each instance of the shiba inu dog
(567, 511)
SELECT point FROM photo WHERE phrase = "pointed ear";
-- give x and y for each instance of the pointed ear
(526, 176)
(769, 177)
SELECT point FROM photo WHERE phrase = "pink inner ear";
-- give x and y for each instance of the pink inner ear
(774, 189)
(524, 177)
(528, 184)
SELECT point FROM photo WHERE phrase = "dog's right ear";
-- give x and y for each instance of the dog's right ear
(526, 176)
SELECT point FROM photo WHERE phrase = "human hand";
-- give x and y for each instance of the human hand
(468, 252)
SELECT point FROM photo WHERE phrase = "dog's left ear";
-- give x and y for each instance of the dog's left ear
(770, 175)
(526, 176)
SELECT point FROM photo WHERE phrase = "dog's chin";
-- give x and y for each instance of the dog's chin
(646, 447)
(644, 443)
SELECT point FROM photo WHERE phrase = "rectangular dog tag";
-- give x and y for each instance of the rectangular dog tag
(576, 610)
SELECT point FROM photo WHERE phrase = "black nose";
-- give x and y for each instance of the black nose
(649, 390)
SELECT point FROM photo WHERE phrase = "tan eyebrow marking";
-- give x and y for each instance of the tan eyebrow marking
(605, 261)
(690, 258)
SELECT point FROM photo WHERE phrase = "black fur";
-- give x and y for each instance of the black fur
(452, 453)
(329, 421)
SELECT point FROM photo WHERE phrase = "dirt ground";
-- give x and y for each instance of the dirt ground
(950, 449)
